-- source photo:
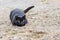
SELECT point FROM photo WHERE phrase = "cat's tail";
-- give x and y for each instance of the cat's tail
(26, 10)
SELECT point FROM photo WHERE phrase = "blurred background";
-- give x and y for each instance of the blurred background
(43, 20)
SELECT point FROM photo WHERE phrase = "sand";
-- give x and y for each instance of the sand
(43, 20)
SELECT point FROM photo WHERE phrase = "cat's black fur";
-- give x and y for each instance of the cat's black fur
(18, 17)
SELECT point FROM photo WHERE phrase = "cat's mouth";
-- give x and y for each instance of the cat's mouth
(21, 25)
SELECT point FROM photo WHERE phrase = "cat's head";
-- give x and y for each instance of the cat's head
(20, 21)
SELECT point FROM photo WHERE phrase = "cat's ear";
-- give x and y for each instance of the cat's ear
(24, 17)
(16, 17)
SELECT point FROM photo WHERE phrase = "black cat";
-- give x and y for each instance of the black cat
(18, 17)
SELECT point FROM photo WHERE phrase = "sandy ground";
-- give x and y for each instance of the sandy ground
(43, 20)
